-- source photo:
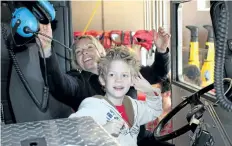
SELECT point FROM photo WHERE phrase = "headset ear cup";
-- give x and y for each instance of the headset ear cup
(27, 19)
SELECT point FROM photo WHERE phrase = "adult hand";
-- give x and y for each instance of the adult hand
(161, 40)
(45, 42)
(113, 127)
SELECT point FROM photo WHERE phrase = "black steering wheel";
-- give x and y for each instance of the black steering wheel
(197, 111)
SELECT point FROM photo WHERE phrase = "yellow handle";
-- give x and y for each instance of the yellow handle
(194, 54)
(91, 18)
(211, 51)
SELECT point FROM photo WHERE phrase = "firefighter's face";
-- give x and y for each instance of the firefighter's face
(87, 55)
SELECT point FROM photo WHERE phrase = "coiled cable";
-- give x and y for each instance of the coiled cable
(221, 45)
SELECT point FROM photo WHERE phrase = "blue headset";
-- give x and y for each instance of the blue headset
(29, 17)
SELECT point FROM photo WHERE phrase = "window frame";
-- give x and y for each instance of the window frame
(176, 52)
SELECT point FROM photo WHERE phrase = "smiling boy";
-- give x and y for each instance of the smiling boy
(120, 115)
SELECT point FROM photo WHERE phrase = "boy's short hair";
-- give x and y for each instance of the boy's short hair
(119, 53)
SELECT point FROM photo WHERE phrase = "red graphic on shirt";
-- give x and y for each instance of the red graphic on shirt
(122, 111)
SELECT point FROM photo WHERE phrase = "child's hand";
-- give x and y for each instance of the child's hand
(113, 127)
(142, 84)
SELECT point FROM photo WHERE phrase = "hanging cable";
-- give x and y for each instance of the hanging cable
(92, 16)
(36, 33)
(44, 61)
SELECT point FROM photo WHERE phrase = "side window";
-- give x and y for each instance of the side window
(203, 5)
(196, 62)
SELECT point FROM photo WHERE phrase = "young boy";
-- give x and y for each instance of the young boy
(121, 115)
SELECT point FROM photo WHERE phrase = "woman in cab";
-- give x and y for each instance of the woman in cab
(81, 82)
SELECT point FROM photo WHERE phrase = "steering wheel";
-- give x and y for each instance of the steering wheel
(197, 111)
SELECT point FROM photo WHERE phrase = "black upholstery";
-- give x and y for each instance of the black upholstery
(5, 76)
